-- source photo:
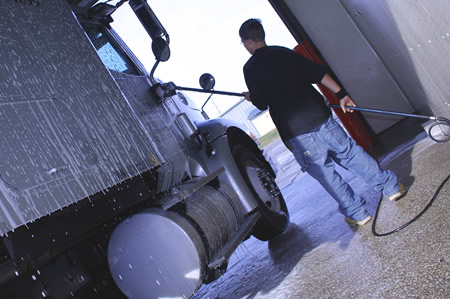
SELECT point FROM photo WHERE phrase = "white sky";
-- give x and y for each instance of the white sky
(204, 38)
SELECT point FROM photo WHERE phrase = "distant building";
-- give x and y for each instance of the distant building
(257, 122)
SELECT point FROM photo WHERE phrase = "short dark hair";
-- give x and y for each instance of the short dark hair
(252, 29)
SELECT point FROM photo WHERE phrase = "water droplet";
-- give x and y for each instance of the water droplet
(158, 283)
(120, 277)
(17, 273)
(129, 266)
(44, 294)
(33, 277)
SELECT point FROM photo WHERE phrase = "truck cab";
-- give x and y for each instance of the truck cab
(112, 183)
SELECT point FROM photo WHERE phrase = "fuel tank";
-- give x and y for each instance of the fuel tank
(164, 254)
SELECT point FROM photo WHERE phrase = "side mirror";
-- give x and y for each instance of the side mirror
(161, 49)
(207, 81)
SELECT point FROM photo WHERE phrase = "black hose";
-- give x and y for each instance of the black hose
(438, 121)
(412, 220)
(441, 122)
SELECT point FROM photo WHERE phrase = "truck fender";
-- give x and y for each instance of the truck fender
(215, 128)
(235, 132)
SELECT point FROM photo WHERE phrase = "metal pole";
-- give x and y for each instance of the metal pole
(227, 93)
(385, 112)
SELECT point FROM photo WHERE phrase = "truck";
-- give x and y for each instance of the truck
(112, 182)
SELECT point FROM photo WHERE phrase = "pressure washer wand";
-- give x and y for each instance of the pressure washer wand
(442, 135)
(227, 93)
(386, 112)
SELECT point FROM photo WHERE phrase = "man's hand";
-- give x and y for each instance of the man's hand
(329, 82)
(247, 96)
(346, 101)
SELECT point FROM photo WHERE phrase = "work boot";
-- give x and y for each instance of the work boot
(352, 222)
(400, 193)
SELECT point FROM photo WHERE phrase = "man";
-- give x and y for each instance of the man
(281, 80)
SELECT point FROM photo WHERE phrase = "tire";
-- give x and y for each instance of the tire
(259, 177)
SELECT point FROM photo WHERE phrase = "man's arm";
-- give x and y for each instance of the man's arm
(255, 85)
(328, 81)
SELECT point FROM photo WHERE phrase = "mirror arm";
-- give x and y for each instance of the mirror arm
(152, 72)
(149, 19)
(204, 104)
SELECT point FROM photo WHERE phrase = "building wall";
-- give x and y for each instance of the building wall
(240, 113)
(388, 54)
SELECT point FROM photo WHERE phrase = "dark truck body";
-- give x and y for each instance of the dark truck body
(90, 156)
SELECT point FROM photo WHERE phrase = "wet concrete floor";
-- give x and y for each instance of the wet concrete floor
(320, 256)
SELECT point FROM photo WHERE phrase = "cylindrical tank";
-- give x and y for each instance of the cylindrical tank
(164, 254)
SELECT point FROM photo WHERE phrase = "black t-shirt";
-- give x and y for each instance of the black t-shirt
(281, 79)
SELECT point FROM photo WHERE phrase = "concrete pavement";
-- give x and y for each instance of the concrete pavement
(320, 256)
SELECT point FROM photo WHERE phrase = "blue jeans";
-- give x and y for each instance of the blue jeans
(317, 151)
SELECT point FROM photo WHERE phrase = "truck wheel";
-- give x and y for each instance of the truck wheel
(255, 171)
